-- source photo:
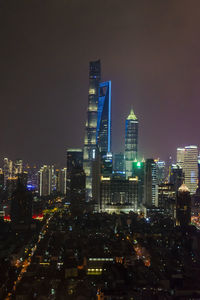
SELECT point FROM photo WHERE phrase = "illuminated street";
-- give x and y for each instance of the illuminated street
(27, 261)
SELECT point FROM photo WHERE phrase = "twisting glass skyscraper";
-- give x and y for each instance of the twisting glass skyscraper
(131, 142)
(98, 124)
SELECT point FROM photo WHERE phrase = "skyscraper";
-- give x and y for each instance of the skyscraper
(46, 180)
(61, 180)
(119, 162)
(7, 169)
(21, 205)
(98, 124)
(104, 118)
(161, 171)
(75, 176)
(18, 166)
(138, 171)
(1, 180)
(183, 206)
(150, 184)
(180, 157)
(190, 168)
(90, 141)
(131, 142)
(74, 159)
(176, 176)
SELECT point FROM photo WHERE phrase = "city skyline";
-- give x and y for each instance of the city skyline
(44, 74)
(100, 151)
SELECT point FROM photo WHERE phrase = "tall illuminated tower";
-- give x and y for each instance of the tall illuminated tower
(104, 118)
(46, 180)
(180, 157)
(98, 123)
(7, 169)
(131, 142)
(190, 168)
(90, 141)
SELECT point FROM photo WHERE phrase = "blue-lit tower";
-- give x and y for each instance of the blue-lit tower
(98, 123)
(131, 142)
(104, 118)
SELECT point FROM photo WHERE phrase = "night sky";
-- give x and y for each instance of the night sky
(150, 50)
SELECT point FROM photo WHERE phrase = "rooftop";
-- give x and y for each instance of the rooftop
(183, 188)
(132, 116)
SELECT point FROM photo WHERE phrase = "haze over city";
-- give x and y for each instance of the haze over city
(148, 49)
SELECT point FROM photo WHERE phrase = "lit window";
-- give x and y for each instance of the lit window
(92, 91)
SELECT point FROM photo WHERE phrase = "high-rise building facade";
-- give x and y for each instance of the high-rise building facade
(150, 184)
(75, 175)
(166, 193)
(1, 180)
(11, 184)
(107, 164)
(90, 141)
(131, 142)
(180, 157)
(138, 171)
(46, 180)
(98, 124)
(18, 166)
(118, 195)
(21, 205)
(119, 162)
(183, 206)
(176, 176)
(32, 182)
(74, 159)
(7, 169)
(190, 168)
(161, 171)
(61, 181)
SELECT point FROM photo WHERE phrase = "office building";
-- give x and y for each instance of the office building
(32, 182)
(23, 178)
(11, 184)
(138, 171)
(118, 195)
(75, 175)
(1, 180)
(7, 169)
(119, 162)
(18, 166)
(183, 206)
(199, 170)
(46, 180)
(107, 164)
(150, 184)
(74, 159)
(61, 181)
(190, 168)
(176, 176)
(161, 171)
(180, 157)
(98, 124)
(21, 205)
(131, 142)
(166, 193)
